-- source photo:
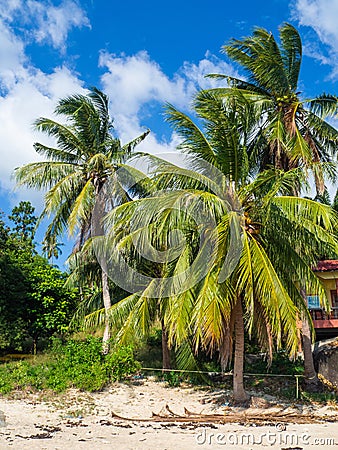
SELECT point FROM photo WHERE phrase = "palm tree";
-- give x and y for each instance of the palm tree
(195, 143)
(133, 316)
(52, 249)
(86, 155)
(260, 290)
(290, 131)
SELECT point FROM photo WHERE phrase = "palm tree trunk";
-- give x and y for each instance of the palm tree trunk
(166, 363)
(99, 231)
(311, 380)
(239, 396)
(107, 305)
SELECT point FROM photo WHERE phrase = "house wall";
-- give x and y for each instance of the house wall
(329, 281)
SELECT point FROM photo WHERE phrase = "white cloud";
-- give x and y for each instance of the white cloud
(44, 22)
(25, 91)
(321, 16)
(136, 82)
(54, 22)
(12, 58)
(32, 97)
(211, 64)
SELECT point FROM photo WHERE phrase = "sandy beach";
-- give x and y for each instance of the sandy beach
(150, 415)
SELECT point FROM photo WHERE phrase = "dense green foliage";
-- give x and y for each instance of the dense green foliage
(34, 304)
(79, 364)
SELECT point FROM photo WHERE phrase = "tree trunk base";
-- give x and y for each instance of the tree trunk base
(241, 400)
(313, 385)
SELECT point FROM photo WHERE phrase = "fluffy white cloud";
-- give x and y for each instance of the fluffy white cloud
(44, 22)
(25, 94)
(321, 16)
(12, 58)
(54, 22)
(136, 82)
(30, 98)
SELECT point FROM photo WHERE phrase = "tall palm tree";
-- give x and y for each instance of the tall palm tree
(290, 131)
(221, 152)
(85, 156)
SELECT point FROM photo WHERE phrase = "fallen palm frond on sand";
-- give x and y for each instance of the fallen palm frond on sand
(167, 415)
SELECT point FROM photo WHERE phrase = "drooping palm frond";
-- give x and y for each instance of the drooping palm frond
(43, 175)
(324, 105)
(65, 136)
(194, 140)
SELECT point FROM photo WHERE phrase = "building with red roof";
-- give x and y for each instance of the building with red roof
(325, 323)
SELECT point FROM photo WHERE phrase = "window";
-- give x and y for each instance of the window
(334, 299)
(313, 301)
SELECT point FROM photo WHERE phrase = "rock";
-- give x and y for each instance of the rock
(259, 402)
(326, 360)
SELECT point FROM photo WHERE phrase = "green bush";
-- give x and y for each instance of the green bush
(79, 364)
(172, 378)
(121, 363)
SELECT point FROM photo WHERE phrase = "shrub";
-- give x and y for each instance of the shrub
(79, 364)
(121, 363)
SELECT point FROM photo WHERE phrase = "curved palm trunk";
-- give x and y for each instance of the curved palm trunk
(239, 396)
(312, 383)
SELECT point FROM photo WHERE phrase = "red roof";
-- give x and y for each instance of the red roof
(329, 265)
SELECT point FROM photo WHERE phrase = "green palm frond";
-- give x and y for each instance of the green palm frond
(83, 207)
(66, 137)
(56, 154)
(291, 53)
(130, 146)
(43, 175)
(324, 105)
(298, 210)
(194, 140)
(63, 191)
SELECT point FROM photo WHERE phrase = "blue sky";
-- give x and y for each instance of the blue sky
(141, 54)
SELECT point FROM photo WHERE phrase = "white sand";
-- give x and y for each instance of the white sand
(77, 420)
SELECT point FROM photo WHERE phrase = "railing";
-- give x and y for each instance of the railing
(320, 314)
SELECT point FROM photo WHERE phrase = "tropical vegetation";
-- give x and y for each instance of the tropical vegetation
(215, 251)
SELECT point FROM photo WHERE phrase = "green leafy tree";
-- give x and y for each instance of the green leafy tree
(14, 288)
(50, 305)
(34, 302)
(24, 221)
(4, 230)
